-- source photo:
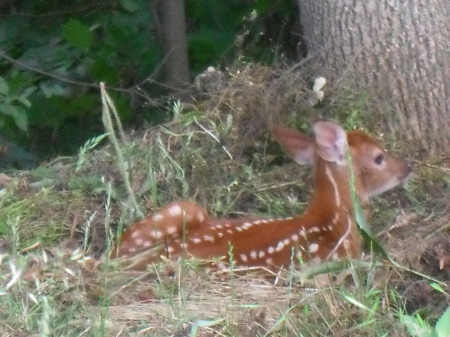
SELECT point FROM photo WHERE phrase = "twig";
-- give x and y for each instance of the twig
(134, 90)
(214, 137)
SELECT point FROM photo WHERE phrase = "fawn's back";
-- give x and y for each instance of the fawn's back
(326, 231)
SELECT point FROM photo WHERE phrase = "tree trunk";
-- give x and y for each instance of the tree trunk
(170, 27)
(399, 50)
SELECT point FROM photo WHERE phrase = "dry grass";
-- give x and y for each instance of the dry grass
(218, 153)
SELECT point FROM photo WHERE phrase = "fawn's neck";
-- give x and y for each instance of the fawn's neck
(332, 190)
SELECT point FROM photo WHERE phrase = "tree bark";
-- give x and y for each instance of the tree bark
(170, 26)
(399, 50)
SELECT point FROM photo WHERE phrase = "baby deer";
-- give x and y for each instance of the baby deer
(326, 231)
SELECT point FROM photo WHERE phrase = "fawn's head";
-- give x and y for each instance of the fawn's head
(375, 169)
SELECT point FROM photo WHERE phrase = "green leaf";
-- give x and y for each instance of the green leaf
(4, 89)
(360, 217)
(18, 114)
(130, 5)
(24, 101)
(374, 244)
(77, 34)
(21, 119)
(309, 271)
(263, 6)
(190, 117)
(356, 303)
(443, 324)
(415, 326)
(3, 227)
(7, 109)
(21, 83)
(203, 323)
(102, 72)
(50, 89)
(28, 91)
(437, 287)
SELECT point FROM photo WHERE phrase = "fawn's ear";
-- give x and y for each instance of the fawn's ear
(298, 146)
(331, 141)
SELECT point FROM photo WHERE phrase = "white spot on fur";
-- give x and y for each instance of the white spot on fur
(170, 249)
(195, 240)
(246, 225)
(294, 237)
(200, 217)
(335, 218)
(220, 234)
(330, 228)
(156, 234)
(171, 230)
(219, 226)
(239, 229)
(314, 229)
(261, 254)
(138, 242)
(286, 242)
(271, 250)
(135, 234)
(229, 231)
(147, 244)
(280, 246)
(157, 217)
(253, 254)
(257, 222)
(175, 210)
(243, 257)
(313, 248)
(131, 249)
(303, 233)
(269, 261)
(208, 238)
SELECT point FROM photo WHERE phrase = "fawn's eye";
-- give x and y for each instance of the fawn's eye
(379, 159)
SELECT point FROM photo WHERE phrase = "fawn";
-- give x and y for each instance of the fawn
(326, 231)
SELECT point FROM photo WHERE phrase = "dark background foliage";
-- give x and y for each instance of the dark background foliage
(55, 53)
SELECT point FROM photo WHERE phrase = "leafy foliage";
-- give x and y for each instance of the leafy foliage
(14, 105)
(417, 327)
(56, 56)
(58, 52)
